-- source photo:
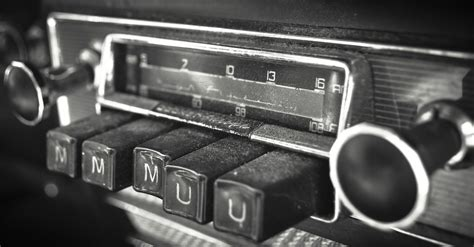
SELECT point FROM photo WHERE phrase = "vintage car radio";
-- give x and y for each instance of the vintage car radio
(257, 131)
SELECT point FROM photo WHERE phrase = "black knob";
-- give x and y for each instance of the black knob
(382, 174)
(31, 92)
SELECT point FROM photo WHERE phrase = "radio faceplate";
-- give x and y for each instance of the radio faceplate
(138, 74)
(404, 78)
(127, 68)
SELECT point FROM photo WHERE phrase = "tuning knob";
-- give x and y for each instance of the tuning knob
(382, 175)
(32, 92)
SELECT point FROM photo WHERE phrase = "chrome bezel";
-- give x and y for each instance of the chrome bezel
(105, 78)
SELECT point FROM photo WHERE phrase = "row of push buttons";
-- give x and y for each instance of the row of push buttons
(246, 188)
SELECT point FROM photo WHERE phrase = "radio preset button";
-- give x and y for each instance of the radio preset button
(107, 159)
(151, 157)
(64, 143)
(271, 193)
(189, 179)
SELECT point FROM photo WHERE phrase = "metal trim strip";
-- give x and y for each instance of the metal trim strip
(57, 16)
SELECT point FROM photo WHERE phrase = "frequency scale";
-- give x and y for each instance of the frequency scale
(299, 92)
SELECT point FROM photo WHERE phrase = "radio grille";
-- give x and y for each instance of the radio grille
(402, 85)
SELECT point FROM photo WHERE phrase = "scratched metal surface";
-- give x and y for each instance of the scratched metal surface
(401, 85)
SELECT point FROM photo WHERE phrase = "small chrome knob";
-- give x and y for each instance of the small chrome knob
(31, 92)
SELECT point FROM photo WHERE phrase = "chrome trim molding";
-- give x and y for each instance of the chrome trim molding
(346, 102)
(126, 107)
(54, 48)
(64, 112)
(134, 22)
(298, 147)
(415, 235)
(335, 215)
(416, 164)
(433, 241)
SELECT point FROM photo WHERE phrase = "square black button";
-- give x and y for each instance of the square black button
(186, 193)
(107, 159)
(149, 166)
(189, 180)
(98, 164)
(271, 193)
(240, 206)
(151, 157)
(64, 143)
(61, 153)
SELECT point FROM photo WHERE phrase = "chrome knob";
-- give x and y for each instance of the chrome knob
(31, 92)
(382, 174)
